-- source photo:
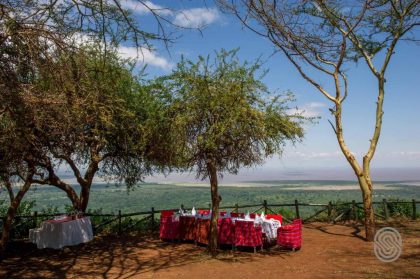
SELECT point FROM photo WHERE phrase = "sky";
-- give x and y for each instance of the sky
(399, 144)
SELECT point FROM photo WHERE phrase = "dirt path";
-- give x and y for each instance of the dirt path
(329, 251)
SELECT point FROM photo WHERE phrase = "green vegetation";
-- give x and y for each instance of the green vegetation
(110, 198)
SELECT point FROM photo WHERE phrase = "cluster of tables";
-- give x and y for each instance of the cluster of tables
(236, 229)
(61, 232)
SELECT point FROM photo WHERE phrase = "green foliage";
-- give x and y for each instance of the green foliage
(25, 208)
(287, 213)
(20, 225)
(222, 113)
(400, 209)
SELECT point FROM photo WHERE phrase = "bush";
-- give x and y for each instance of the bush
(20, 225)
(397, 208)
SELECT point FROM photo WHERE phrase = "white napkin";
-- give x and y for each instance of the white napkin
(262, 216)
(257, 219)
(193, 212)
(247, 217)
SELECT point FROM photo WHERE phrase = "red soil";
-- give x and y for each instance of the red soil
(328, 250)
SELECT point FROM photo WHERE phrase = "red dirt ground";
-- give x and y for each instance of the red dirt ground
(328, 251)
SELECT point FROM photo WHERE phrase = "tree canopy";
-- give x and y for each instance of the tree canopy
(223, 113)
(100, 122)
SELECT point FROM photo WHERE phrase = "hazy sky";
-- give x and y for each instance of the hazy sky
(399, 145)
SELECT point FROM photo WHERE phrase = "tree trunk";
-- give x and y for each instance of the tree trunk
(363, 174)
(368, 209)
(86, 183)
(215, 209)
(84, 198)
(11, 212)
(54, 180)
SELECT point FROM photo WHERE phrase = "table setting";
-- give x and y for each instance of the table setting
(233, 228)
(64, 230)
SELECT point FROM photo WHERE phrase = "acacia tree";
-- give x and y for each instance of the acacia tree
(223, 118)
(326, 37)
(90, 114)
(41, 106)
(99, 123)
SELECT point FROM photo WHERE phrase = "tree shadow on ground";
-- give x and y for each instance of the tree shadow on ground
(329, 227)
(107, 256)
(127, 256)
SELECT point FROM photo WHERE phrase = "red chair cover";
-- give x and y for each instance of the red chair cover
(169, 229)
(252, 215)
(223, 213)
(237, 214)
(290, 236)
(202, 231)
(187, 227)
(226, 231)
(246, 234)
(275, 217)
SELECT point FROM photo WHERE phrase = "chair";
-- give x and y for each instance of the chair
(226, 231)
(237, 215)
(252, 215)
(202, 231)
(169, 229)
(166, 213)
(290, 236)
(187, 228)
(246, 234)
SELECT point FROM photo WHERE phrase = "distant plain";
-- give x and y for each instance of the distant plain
(111, 198)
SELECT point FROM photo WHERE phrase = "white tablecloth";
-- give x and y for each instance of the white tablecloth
(269, 227)
(56, 235)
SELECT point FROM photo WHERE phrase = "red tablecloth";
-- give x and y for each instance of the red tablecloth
(202, 230)
(169, 229)
(187, 227)
(226, 231)
(246, 234)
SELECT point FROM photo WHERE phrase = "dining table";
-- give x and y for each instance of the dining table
(58, 233)
(269, 226)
